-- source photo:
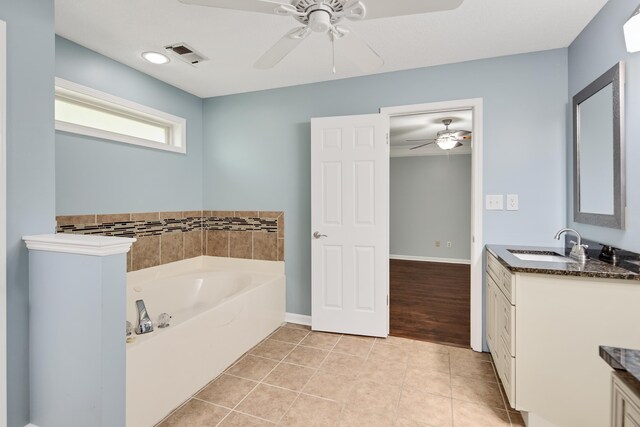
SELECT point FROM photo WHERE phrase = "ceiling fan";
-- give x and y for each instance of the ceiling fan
(446, 139)
(324, 16)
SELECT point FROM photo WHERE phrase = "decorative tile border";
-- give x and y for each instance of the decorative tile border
(165, 237)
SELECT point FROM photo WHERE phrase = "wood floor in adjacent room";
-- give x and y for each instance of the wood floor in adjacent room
(430, 301)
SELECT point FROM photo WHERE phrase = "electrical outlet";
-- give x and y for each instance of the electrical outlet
(448, 244)
(494, 202)
(437, 243)
(512, 202)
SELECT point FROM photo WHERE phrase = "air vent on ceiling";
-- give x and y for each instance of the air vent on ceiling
(185, 53)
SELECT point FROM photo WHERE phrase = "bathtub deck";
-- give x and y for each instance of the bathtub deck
(301, 378)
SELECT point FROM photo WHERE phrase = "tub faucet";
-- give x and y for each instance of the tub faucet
(578, 251)
(144, 322)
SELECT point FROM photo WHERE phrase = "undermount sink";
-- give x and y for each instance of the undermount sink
(542, 256)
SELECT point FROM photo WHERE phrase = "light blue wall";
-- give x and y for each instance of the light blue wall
(257, 151)
(430, 199)
(30, 174)
(598, 48)
(99, 176)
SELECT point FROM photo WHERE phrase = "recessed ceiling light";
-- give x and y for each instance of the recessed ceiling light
(155, 57)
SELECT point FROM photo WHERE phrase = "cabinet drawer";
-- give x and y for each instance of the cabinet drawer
(503, 277)
(506, 323)
(625, 404)
(506, 367)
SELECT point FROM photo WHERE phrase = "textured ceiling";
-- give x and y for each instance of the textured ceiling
(234, 40)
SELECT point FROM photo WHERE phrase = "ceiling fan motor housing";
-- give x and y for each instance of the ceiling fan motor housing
(319, 16)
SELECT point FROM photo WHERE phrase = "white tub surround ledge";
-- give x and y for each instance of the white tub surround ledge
(80, 244)
(77, 293)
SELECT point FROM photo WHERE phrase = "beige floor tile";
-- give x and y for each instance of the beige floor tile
(357, 418)
(272, 349)
(306, 356)
(408, 422)
(354, 346)
(236, 419)
(516, 419)
(252, 367)
(428, 381)
(226, 390)
(267, 402)
(312, 411)
(321, 340)
(476, 391)
(343, 364)
(289, 376)
(467, 414)
(384, 372)
(475, 369)
(297, 326)
(405, 342)
(195, 413)
(290, 335)
(429, 361)
(423, 407)
(392, 353)
(468, 354)
(373, 397)
(329, 386)
(431, 346)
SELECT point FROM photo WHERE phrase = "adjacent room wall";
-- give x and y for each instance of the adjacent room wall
(599, 47)
(431, 200)
(30, 174)
(99, 176)
(257, 153)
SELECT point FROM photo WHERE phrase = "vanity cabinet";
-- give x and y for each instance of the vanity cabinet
(625, 402)
(500, 321)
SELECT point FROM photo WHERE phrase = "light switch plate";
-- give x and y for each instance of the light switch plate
(494, 202)
(512, 202)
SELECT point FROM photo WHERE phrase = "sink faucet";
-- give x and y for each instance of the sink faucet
(144, 322)
(578, 251)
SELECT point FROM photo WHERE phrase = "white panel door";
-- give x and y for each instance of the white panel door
(350, 224)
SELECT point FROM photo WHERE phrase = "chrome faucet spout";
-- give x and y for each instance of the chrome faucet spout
(144, 322)
(578, 251)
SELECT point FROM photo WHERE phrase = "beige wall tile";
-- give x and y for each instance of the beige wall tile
(281, 227)
(217, 243)
(171, 247)
(269, 214)
(240, 244)
(192, 214)
(221, 214)
(145, 216)
(145, 252)
(265, 246)
(246, 214)
(195, 413)
(75, 219)
(193, 244)
(129, 260)
(171, 215)
(101, 219)
(280, 249)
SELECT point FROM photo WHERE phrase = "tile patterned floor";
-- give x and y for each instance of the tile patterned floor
(296, 377)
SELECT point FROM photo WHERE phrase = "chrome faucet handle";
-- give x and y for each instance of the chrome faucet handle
(144, 322)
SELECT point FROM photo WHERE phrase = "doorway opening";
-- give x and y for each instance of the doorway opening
(436, 222)
(430, 226)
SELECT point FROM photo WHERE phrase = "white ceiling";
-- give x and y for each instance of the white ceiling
(234, 40)
(419, 126)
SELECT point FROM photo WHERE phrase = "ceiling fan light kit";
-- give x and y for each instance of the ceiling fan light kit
(445, 139)
(323, 16)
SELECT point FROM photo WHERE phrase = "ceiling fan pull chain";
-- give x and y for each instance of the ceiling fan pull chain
(333, 49)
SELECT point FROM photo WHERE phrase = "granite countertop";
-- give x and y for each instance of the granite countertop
(622, 359)
(593, 267)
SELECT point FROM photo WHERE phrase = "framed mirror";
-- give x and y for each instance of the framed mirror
(598, 151)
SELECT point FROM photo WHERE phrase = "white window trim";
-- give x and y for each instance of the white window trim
(178, 125)
(3, 224)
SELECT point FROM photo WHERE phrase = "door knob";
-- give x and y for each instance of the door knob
(317, 235)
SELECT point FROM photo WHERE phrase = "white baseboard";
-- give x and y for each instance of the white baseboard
(300, 319)
(429, 259)
(31, 425)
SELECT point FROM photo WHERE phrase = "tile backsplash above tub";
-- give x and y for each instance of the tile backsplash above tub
(165, 237)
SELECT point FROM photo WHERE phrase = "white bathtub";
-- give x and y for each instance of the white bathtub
(221, 307)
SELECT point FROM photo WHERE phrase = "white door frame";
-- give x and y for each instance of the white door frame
(477, 309)
(3, 224)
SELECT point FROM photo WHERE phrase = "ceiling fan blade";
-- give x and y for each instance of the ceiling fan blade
(420, 146)
(357, 50)
(420, 140)
(462, 133)
(384, 8)
(282, 48)
(262, 6)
